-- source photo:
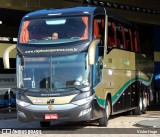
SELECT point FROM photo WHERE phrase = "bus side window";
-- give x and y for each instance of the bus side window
(136, 42)
(96, 30)
(123, 37)
(98, 33)
(99, 29)
(128, 39)
(120, 37)
(131, 41)
(111, 35)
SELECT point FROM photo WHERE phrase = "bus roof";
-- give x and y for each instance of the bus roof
(82, 10)
(61, 12)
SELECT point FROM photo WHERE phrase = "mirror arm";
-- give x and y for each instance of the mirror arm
(92, 51)
(6, 56)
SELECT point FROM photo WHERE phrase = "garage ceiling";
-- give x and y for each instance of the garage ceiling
(12, 11)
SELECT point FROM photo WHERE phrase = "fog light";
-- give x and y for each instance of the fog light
(21, 114)
(84, 112)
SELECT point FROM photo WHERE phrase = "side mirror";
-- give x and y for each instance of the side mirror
(6, 56)
(92, 51)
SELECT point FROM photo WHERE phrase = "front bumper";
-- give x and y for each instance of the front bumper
(66, 112)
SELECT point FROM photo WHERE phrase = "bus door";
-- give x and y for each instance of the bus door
(98, 33)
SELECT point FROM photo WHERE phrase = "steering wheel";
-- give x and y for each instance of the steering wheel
(46, 38)
(76, 37)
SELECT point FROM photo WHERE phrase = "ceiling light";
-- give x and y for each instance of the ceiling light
(122, 6)
(102, 3)
(158, 12)
(115, 5)
(148, 10)
(88, 1)
(109, 4)
(138, 9)
(0, 22)
(144, 10)
(154, 12)
(127, 7)
(95, 2)
(133, 8)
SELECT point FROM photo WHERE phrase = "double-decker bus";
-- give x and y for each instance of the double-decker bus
(91, 70)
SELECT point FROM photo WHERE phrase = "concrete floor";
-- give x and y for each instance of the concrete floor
(119, 125)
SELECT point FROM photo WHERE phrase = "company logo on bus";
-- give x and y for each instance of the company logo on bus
(50, 101)
(50, 95)
(50, 107)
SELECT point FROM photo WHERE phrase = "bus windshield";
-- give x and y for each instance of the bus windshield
(56, 73)
(54, 30)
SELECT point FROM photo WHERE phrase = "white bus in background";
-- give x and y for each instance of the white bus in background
(7, 74)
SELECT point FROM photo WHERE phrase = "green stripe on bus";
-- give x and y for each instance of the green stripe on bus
(148, 81)
(121, 90)
(102, 102)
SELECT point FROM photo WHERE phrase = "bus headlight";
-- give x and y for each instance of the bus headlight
(83, 101)
(22, 103)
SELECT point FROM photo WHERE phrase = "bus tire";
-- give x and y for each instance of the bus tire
(103, 122)
(45, 123)
(145, 102)
(142, 105)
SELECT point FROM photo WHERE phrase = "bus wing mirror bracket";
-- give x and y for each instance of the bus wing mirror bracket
(92, 51)
(6, 56)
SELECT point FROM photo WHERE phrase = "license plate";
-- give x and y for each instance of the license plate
(51, 116)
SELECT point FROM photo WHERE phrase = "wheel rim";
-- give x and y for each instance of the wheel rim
(107, 112)
(108, 109)
(140, 104)
(145, 102)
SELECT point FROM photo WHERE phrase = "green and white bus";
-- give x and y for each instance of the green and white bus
(94, 68)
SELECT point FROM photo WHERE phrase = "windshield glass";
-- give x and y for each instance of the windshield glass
(54, 30)
(56, 73)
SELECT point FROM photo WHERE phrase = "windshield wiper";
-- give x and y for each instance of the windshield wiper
(69, 87)
(32, 90)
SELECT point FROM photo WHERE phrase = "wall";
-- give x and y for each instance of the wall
(157, 57)
(3, 46)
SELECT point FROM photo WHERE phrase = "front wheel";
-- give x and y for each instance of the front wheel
(106, 113)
